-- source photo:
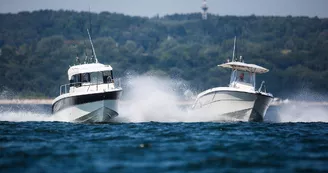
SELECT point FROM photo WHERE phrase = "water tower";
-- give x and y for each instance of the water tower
(204, 8)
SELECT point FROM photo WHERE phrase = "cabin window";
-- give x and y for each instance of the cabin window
(108, 76)
(76, 80)
(96, 77)
(85, 77)
(243, 77)
(71, 81)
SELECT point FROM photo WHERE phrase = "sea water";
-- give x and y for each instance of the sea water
(154, 134)
(46, 146)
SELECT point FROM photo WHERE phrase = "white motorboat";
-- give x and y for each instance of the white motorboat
(91, 95)
(240, 100)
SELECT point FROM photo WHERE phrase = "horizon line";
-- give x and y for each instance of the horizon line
(157, 15)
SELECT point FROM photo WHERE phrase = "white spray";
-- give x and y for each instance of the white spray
(154, 98)
(303, 112)
(149, 98)
(309, 107)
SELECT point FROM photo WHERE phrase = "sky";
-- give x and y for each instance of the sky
(151, 8)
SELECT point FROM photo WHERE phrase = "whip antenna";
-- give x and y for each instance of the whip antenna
(90, 39)
(93, 49)
(234, 50)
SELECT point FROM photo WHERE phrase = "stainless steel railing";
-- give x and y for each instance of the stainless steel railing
(65, 88)
(262, 87)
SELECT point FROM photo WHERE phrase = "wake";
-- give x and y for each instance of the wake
(149, 98)
(302, 112)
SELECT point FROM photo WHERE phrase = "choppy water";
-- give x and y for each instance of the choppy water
(38, 145)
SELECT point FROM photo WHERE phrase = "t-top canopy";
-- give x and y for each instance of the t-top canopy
(88, 68)
(244, 67)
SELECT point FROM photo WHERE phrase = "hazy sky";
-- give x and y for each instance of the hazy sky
(152, 7)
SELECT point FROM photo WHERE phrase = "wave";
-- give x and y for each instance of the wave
(305, 106)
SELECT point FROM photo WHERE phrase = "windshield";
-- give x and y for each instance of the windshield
(96, 77)
(93, 78)
(242, 77)
(108, 76)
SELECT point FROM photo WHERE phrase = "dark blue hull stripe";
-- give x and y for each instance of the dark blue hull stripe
(81, 99)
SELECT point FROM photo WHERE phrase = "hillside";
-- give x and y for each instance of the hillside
(38, 47)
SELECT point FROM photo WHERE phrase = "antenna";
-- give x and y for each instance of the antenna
(93, 49)
(204, 8)
(90, 24)
(85, 53)
(234, 50)
(90, 39)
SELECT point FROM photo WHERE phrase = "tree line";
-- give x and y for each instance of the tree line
(36, 48)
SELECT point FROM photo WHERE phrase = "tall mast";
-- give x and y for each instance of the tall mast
(234, 50)
(90, 24)
(93, 49)
(90, 39)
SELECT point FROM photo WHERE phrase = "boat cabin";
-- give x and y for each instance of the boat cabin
(243, 75)
(89, 77)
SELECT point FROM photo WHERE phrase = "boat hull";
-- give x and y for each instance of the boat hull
(236, 105)
(87, 108)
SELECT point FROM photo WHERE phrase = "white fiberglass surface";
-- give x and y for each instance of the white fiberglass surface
(74, 112)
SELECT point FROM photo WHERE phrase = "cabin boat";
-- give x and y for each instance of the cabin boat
(91, 95)
(240, 100)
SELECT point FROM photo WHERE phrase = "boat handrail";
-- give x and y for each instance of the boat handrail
(262, 86)
(65, 88)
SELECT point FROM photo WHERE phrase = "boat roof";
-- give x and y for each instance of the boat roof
(244, 67)
(88, 68)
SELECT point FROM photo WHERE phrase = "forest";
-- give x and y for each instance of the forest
(37, 48)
